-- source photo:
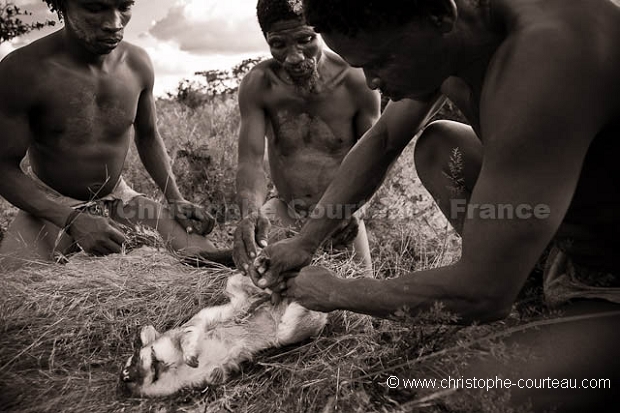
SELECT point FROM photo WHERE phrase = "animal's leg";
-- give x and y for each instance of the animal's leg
(238, 289)
(298, 323)
(192, 331)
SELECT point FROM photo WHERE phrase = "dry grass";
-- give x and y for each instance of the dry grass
(66, 330)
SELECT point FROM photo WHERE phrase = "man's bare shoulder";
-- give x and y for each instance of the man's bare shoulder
(258, 80)
(139, 61)
(354, 80)
(22, 69)
(567, 49)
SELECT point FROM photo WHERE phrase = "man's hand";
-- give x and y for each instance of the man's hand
(290, 254)
(192, 217)
(96, 235)
(314, 288)
(251, 233)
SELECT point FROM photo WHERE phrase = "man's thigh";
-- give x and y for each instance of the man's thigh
(579, 347)
(361, 249)
(31, 239)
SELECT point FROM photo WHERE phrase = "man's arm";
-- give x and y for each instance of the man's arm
(251, 180)
(534, 148)
(149, 143)
(154, 157)
(15, 135)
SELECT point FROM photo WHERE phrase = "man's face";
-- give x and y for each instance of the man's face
(406, 62)
(296, 47)
(97, 24)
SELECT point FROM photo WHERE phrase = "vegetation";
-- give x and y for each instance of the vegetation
(66, 330)
(12, 25)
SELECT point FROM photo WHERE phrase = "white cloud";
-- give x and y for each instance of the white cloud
(212, 26)
(181, 37)
(172, 64)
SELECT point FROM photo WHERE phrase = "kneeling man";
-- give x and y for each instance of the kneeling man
(70, 101)
(312, 107)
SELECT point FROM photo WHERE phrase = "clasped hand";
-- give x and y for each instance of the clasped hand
(194, 218)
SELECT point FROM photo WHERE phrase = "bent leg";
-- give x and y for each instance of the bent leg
(580, 347)
(29, 239)
(448, 158)
(361, 249)
(144, 211)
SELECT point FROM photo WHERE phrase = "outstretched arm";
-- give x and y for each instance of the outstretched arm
(253, 228)
(153, 155)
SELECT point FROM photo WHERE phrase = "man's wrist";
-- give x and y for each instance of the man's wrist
(71, 219)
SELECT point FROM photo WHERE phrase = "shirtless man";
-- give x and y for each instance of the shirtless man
(538, 81)
(70, 101)
(312, 107)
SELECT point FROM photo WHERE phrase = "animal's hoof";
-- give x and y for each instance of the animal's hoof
(191, 361)
(216, 376)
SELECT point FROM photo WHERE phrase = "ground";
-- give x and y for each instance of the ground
(66, 330)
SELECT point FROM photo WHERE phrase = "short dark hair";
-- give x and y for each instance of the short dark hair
(349, 17)
(56, 5)
(272, 11)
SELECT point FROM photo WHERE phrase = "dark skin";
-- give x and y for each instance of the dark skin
(538, 83)
(308, 107)
(511, 151)
(72, 100)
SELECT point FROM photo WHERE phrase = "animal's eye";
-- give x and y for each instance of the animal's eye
(306, 39)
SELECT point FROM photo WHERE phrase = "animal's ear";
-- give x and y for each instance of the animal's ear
(148, 334)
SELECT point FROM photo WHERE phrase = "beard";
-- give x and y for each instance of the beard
(304, 76)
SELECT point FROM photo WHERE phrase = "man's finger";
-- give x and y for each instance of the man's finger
(257, 279)
(262, 264)
(198, 214)
(276, 298)
(247, 236)
(187, 224)
(262, 230)
(116, 235)
(111, 247)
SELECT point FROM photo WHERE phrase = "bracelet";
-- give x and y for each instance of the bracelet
(70, 218)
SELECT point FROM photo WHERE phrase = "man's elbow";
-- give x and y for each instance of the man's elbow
(487, 309)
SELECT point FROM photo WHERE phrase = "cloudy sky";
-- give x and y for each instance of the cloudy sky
(181, 36)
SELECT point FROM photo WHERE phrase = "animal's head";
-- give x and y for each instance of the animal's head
(156, 367)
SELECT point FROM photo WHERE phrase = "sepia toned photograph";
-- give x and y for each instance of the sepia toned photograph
(309, 206)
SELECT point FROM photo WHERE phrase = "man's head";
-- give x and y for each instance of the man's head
(291, 41)
(401, 44)
(97, 25)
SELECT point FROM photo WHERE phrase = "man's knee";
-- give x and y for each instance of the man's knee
(435, 144)
(28, 238)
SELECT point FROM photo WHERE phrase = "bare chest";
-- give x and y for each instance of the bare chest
(81, 109)
(325, 125)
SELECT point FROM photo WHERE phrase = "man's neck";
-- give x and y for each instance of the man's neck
(80, 54)
(478, 35)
